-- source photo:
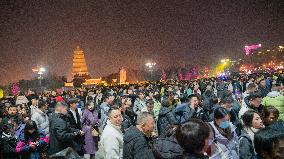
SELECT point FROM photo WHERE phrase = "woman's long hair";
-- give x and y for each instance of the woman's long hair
(29, 126)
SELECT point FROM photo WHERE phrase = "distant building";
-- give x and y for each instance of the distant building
(79, 63)
(122, 75)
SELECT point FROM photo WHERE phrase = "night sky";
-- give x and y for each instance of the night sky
(116, 33)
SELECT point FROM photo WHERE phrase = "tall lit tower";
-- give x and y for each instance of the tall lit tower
(79, 63)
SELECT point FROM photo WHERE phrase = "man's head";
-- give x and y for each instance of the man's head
(269, 143)
(193, 101)
(42, 105)
(262, 83)
(109, 98)
(114, 115)
(251, 88)
(145, 123)
(141, 95)
(193, 136)
(61, 108)
(73, 103)
(255, 99)
(150, 105)
(12, 110)
(227, 103)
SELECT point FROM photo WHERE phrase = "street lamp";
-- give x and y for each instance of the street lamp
(150, 66)
(40, 71)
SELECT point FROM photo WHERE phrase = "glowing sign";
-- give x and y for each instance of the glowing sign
(248, 49)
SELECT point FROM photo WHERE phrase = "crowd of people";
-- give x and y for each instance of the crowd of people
(236, 117)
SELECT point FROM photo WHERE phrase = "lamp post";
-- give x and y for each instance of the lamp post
(150, 66)
(40, 71)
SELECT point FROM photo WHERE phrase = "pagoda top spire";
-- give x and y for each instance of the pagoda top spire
(78, 48)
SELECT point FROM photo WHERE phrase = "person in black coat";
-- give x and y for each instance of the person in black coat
(166, 145)
(75, 123)
(73, 115)
(192, 137)
(137, 139)
(62, 135)
(8, 142)
(166, 117)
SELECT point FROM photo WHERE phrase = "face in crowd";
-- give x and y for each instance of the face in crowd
(223, 123)
(110, 99)
(141, 96)
(194, 102)
(256, 121)
(115, 117)
(148, 126)
(150, 106)
(12, 111)
(91, 106)
(255, 102)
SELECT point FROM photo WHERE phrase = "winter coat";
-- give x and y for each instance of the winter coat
(89, 120)
(229, 147)
(41, 120)
(77, 126)
(167, 148)
(72, 121)
(275, 99)
(246, 146)
(139, 105)
(61, 134)
(244, 109)
(127, 121)
(263, 91)
(207, 97)
(136, 145)
(165, 120)
(111, 143)
(7, 147)
(22, 100)
(104, 107)
(26, 152)
(156, 109)
(194, 156)
(183, 113)
(19, 129)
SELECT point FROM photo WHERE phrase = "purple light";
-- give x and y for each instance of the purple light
(248, 49)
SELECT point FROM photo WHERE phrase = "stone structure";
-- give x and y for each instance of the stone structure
(79, 63)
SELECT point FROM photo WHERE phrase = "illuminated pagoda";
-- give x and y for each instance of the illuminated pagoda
(79, 63)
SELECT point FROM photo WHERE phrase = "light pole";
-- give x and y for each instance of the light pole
(40, 71)
(150, 66)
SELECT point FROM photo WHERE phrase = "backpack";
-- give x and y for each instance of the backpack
(167, 148)
(179, 117)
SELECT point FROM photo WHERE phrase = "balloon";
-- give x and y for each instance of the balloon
(1, 93)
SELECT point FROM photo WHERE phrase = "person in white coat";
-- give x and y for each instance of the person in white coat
(111, 144)
(225, 135)
(40, 117)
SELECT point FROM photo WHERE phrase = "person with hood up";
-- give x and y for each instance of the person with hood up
(166, 117)
(274, 98)
(32, 142)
